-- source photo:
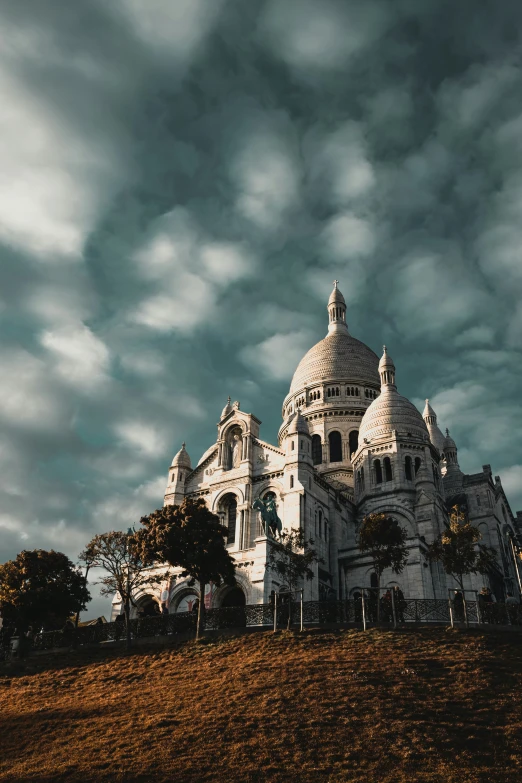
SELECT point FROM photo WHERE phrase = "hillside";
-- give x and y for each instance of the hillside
(382, 706)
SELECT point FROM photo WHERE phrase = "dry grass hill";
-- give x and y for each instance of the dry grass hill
(378, 707)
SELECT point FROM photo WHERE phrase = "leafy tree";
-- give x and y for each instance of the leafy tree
(191, 537)
(292, 559)
(126, 572)
(458, 550)
(384, 540)
(41, 588)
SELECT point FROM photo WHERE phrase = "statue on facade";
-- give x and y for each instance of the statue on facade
(272, 525)
(237, 446)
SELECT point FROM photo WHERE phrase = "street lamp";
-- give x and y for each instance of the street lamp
(88, 564)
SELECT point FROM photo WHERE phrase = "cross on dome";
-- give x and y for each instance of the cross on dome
(336, 283)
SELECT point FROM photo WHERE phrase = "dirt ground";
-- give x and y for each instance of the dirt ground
(375, 707)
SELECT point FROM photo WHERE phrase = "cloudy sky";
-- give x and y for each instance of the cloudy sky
(180, 182)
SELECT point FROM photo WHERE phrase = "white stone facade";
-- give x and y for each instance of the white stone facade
(349, 445)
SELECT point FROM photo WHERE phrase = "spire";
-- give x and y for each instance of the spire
(336, 311)
(387, 370)
(226, 410)
(429, 415)
(430, 419)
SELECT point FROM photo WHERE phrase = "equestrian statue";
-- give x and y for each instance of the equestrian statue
(272, 525)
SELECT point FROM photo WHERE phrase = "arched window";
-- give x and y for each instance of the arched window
(418, 463)
(387, 469)
(374, 582)
(378, 471)
(317, 450)
(407, 469)
(291, 482)
(320, 524)
(337, 391)
(336, 447)
(229, 504)
(356, 392)
(353, 441)
(292, 445)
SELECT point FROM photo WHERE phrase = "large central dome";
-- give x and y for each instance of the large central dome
(339, 356)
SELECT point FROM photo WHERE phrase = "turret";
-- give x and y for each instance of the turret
(336, 311)
(298, 442)
(430, 419)
(179, 470)
(386, 370)
(453, 477)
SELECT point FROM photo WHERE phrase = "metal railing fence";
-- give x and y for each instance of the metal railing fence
(264, 616)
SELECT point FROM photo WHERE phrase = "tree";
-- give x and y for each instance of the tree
(458, 550)
(292, 559)
(126, 572)
(190, 537)
(384, 540)
(41, 588)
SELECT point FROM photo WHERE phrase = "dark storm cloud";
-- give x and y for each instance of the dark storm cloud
(181, 181)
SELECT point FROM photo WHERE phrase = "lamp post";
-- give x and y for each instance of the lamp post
(87, 568)
(127, 593)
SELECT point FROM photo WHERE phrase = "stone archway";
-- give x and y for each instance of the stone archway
(148, 606)
(233, 597)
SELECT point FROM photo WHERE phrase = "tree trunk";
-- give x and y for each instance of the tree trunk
(127, 624)
(201, 610)
(378, 597)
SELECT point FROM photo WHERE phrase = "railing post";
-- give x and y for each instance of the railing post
(275, 612)
(393, 609)
(450, 609)
(465, 609)
(301, 609)
(479, 612)
(363, 603)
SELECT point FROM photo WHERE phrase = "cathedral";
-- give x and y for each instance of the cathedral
(350, 444)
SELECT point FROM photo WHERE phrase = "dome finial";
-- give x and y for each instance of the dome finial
(386, 369)
(336, 311)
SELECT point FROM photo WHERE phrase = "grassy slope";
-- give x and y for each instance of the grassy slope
(417, 705)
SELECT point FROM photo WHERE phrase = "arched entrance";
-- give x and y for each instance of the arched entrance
(234, 597)
(148, 607)
(232, 611)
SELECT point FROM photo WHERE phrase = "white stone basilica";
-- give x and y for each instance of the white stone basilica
(350, 444)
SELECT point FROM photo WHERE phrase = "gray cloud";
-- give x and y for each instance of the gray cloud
(178, 189)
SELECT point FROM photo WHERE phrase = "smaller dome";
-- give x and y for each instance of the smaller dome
(449, 443)
(390, 410)
(298, 424)
(226, 410)
(336, 296)
(182, 459)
